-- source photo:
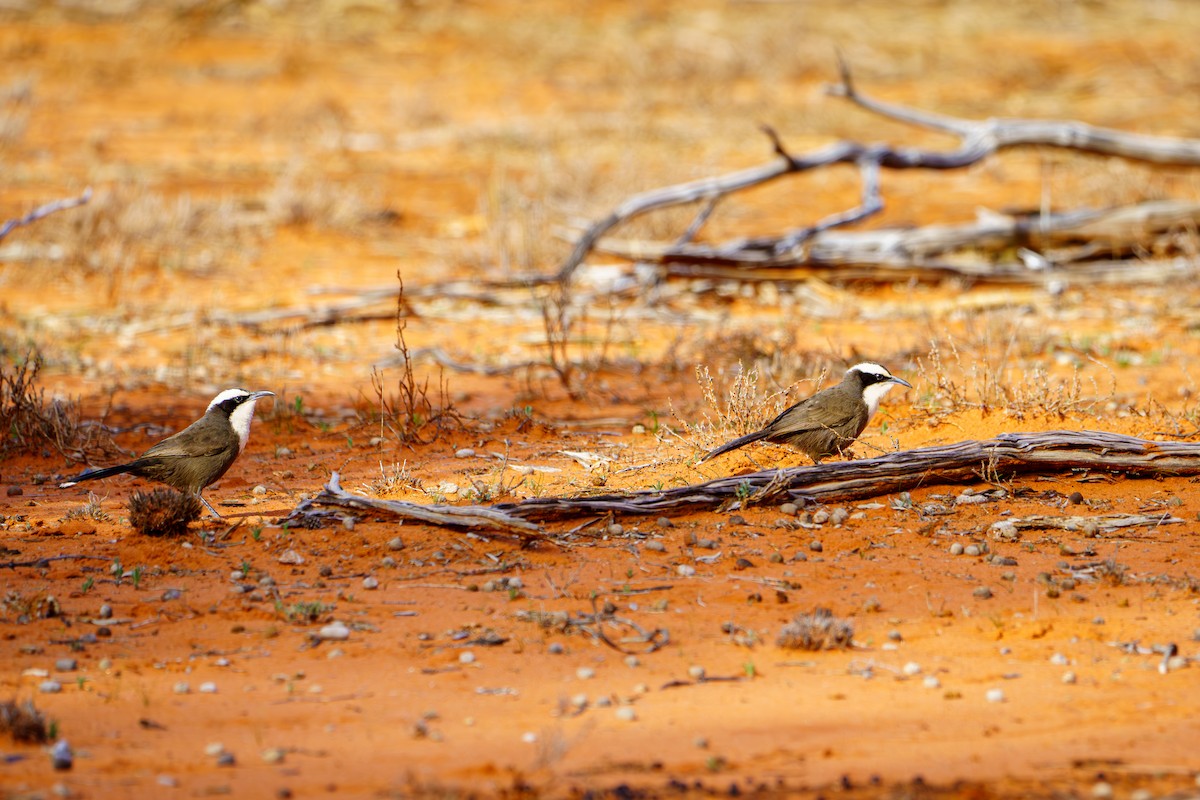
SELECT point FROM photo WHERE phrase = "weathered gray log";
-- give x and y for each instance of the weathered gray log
(332, 495)
(1003, 457)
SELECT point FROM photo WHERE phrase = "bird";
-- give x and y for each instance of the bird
(829, 421)
(198, 455)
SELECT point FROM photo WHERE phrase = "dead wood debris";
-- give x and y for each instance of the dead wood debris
(632, 639)
(989, 460)
(1104, 245)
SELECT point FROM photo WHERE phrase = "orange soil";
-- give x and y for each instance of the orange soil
(448, 118)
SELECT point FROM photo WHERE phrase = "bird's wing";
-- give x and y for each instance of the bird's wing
(200, 442)
(822, 411)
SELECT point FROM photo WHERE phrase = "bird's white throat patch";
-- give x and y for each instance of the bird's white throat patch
(871, 396)
(240, 419)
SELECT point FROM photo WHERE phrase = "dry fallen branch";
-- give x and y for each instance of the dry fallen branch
(1107, 232)
(1096, 525)
(333, 496)
(1007, 455)
(44, 211)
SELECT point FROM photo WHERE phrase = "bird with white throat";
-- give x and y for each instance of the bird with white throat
(198, 455)
(829, 421)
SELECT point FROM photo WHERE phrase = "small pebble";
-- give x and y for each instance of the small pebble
(259, 490)
(291, 557)
(972, 550)
(789, 508)
(956, 549)
(213, 749)
(226, 760)
(105, 612)
(395, 543)
(50, 687)
(1102, 790)
(632, 661)
(697, 672)
(334, 631)
(66, 665)
(464, 452)
(685, 570)
(1141, 794)
(208, 687)
(529, 737)
(931, 682)
(273, 755)
(895, 635)
(1069, 678)
(820, 516)
(615, 529)
(1075, 498)
(1059, 659)
(701, 742)
(466, 657)
(181, 688)
(654, 545)
(169, 781)
(664, 522)
(982, 592)
(585, 673)
(236, 575)
(911, 668)
(626, 713)
(61, 756)
(370, 582)
(556, 649)
(995, 696)
(816, 546)
(839, 515)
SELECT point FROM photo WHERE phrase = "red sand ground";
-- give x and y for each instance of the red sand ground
(469, 124)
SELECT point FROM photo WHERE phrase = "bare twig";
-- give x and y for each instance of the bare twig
(45, 211)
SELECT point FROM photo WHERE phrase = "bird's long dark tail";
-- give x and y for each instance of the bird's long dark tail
(93, 474)
(741, 441)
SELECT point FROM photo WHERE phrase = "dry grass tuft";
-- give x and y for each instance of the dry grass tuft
(163, 512)
(410, 410)
(816, 630)
(24, 723)
(29, 423)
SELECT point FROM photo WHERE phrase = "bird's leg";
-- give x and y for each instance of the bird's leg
(200, 497)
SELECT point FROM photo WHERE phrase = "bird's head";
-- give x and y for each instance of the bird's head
(874, 381)
(238, 405)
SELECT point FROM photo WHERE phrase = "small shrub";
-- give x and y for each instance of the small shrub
(817, 630)
(163, 512)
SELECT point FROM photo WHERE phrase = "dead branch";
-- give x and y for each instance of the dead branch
(333, 496)
(45, 561)
(815, 246)
(1003, 457)
(45, 211)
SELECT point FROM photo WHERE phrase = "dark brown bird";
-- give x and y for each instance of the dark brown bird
(199, 454)
(829, 421)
